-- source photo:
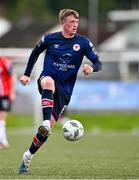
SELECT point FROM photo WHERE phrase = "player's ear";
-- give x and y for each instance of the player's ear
(62, 21)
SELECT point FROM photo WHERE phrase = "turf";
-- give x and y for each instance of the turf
(108, 149)
(19, 120)
(108, 155)
(105, 121)
(108, 120)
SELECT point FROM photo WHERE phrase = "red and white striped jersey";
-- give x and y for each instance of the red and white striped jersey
(6, 71)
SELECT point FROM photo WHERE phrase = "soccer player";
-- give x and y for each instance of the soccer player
(7, 95)
(63, 57)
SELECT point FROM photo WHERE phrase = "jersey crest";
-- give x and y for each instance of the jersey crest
(76, 47)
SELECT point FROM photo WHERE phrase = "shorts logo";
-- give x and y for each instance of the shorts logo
(76, 47)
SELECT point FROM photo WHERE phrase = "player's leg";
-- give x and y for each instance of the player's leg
(4, 108)
(47, 88)
(3, 136)
(47, 101)
(61, 99)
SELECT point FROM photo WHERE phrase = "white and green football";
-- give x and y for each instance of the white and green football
(73, 130)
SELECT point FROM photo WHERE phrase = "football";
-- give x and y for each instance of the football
(73, 130)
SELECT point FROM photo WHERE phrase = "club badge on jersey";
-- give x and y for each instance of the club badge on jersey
(76, 47)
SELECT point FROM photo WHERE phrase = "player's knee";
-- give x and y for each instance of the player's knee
(48, 83)
(43, 131)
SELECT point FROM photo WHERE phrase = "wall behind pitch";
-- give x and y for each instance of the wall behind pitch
(105, 95)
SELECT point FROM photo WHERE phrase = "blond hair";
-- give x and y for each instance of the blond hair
(67, 12)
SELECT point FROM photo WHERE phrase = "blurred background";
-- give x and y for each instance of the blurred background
(106, 102)
(107, 99)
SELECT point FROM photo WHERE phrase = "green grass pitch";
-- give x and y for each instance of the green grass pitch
(109, 149)
(108, 155)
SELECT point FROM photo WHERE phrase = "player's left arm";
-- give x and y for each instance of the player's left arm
(13, 87)
(87, 69)
(12, 80)
(92, 55)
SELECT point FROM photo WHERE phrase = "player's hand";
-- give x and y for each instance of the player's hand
(25, 80)
(87, 69)
(12, 96)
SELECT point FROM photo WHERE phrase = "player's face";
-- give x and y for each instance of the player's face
(70, 25)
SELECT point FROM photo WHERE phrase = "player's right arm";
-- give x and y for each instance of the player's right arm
(39, 48)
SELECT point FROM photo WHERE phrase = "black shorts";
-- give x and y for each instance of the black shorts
(5, 103)
(61, 99)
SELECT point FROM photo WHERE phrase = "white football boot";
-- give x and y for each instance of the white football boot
(25, 162)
